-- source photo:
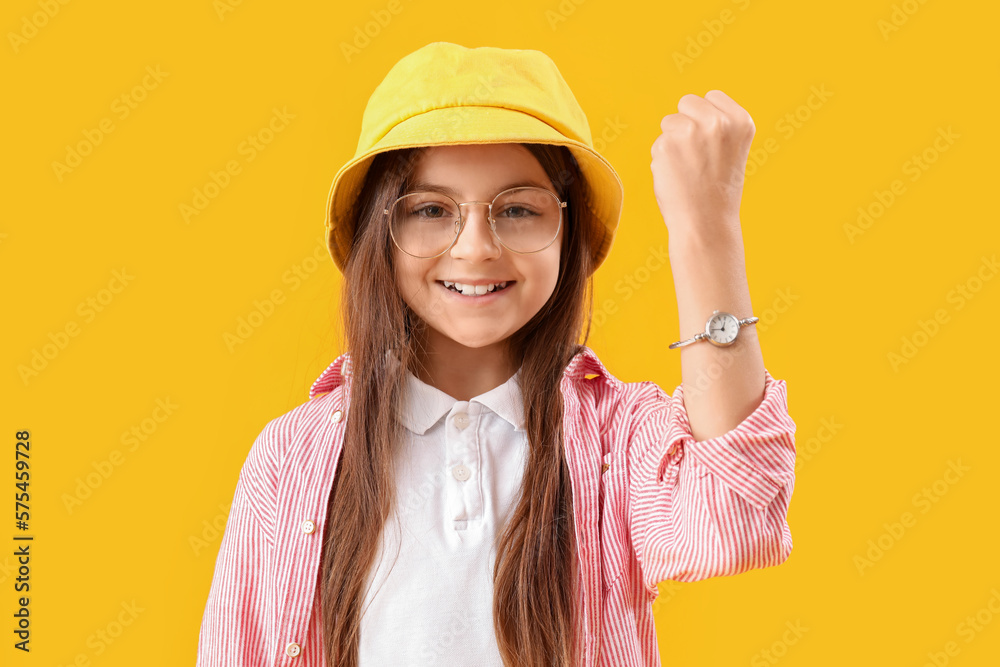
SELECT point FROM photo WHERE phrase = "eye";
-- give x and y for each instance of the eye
(518, 211)
(430, 211)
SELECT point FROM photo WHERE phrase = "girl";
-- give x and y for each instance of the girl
(468, 484)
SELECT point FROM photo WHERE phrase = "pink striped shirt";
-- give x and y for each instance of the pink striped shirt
(650, 504)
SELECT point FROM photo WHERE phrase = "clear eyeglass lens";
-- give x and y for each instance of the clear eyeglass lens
(424, 224)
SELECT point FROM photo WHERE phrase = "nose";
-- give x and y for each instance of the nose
(476, 242)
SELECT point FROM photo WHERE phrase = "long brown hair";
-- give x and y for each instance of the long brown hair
(535, 575)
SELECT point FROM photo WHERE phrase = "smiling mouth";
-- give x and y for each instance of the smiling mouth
(474, 290)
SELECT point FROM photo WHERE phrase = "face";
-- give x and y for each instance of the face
(478, 173)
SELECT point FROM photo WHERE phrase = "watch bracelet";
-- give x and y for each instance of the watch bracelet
(740, 323)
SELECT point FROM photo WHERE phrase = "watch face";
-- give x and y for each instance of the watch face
(722, 328)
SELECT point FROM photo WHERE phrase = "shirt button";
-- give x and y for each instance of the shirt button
(336, 416)
(293, 649)
(461, 420)
(308, 526)
(461, 472)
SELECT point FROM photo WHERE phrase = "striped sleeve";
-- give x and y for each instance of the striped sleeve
(713, 507)
(239, 613)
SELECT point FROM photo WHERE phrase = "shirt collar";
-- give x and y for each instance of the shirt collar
(584, 364)
(424, 405)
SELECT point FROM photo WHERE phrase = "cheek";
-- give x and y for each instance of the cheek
(543, 280)
(405, 272)
(418, 299)
(407, 285)
(550, 288)
(415, 291)
(551, 273)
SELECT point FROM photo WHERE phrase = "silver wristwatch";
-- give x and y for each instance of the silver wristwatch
(720, 330)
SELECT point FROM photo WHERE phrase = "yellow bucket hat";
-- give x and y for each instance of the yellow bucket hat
(444, 94)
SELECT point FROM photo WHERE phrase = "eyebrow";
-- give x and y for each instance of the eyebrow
(423, 186)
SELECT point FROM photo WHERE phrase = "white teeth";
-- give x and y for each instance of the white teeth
(474, 290)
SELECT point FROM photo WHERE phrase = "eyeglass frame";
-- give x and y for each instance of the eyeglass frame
(489, 218)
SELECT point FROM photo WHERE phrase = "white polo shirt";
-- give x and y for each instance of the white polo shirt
(430, 595)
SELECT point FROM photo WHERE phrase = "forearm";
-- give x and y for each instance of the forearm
(722, 385)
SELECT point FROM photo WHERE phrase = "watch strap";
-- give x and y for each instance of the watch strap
(740, 323)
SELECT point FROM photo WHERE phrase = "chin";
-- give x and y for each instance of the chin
(473, 340)
(477, 342)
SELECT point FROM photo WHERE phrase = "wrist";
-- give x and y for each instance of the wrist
(705, 227)
(722, 242)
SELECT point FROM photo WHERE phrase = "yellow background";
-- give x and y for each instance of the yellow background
(871, 435)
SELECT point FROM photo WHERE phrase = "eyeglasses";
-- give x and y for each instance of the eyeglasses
(523, 219)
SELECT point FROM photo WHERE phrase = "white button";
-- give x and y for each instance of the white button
(293, 649)
(336, 416)
(308, 526)
(461, 420)
(461, 472)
